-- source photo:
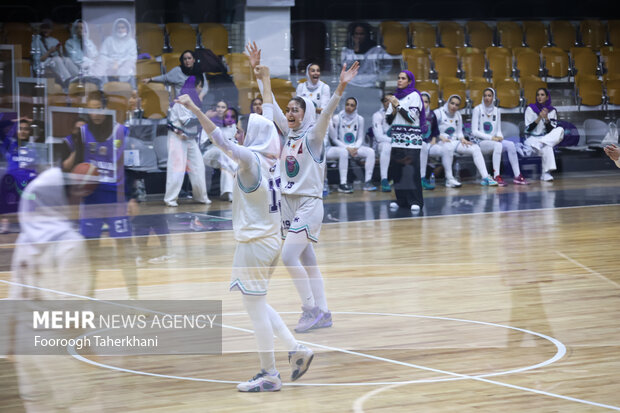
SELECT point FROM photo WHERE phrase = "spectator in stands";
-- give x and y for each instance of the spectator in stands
(542, 131)
(432, 145)
(183, 151)
(613, 152)
(407, 121)
(80, 49)
(177, 76)
(382, 141)
(118, 53)
(214, 157)
(486, 129)
(374, 62)
(450, 125)
(257, 106)
(232, 127)
(346, 131)
(48, 58)
(314, 88)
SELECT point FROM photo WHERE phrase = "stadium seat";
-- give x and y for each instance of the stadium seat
(432, 89)
(480, 34)
(585, 61)
(446, 65)
(613, 31)
(150, 39)
(555, 61)
(589, 90)
(536, 35)
(473, 65)
(120, 104)
(182, 36)
(527, 62)
(508, 93)
(155, 101)
(436, 51)
(423, 35)
(123, 89)
(476, 88)
(563, 34)
(452, 34)
(500, 65)
(595, 130)
(170, 60)
(18, 34)
(394, 36)
(147, 68)
(418, 62)
(592, 33)
(530, 85)
(214, 36)
(510, 34)
(283, 90)
(452, 87)
(613, 91)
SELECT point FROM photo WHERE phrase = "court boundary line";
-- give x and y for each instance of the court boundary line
(588, 269)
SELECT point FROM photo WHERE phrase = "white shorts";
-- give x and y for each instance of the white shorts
(253, 264)
(302, 214)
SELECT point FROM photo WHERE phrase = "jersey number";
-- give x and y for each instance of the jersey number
(274, 206)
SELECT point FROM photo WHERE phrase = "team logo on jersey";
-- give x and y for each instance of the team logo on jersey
(450, 131)
(292, 166)
(103, 150)
(487, 126)
(117, 143)
(301, 145)
(349, 138)
(92, 147)
(428, 132)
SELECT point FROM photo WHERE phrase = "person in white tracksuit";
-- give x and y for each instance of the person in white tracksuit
(346, 131)
(486, 129)
(183, 151)
(542, 131)
(450, 125)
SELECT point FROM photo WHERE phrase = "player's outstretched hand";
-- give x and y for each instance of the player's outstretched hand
(254, 53)
(261, 72)
(347, 75)
(186, 101)
(613, 152)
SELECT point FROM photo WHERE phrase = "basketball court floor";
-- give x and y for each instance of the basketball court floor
(493, 299)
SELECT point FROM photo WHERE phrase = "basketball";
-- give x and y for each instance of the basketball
(85, 175)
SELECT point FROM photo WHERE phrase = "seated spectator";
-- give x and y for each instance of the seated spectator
(347, 132)
(177, 76)
(314, 88)
(217, 159)
(542, 131)
(486, 129)
(257, 106)
(432, 145)
(374, 62)
(183, 151)
(450, 124)
(383, 141)
(80, 49)
(47, 57)
(118, 54)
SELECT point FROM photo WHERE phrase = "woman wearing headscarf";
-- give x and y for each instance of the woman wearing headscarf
(431, 146)
(407, 121)
(486, 128)
(347, 132)
(48, 57)
(542, 131)
(256, 227)
(303, 158)
(80, 49)
(183, 151)
(314, 88)
(177, 76)
(450, 125)
(118, 53)
(214, 157)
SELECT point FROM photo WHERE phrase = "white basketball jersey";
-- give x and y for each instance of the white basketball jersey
(256, 211)
(348, 131)
(314, 95)
(303, 170)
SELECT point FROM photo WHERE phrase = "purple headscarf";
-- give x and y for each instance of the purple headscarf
(189, 88)
(537, 107)
(401, 93)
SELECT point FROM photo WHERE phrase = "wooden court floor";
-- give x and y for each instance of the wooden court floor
(514, 311)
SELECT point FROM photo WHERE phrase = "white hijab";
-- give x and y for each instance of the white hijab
(446, 109)
(120, 47)
(263, 138)
(427, 108)
(307, 122)
(488, 109)
(346, 117)
(309, 85)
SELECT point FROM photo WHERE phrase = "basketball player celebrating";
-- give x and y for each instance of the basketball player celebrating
(303, 157)
(256, 224)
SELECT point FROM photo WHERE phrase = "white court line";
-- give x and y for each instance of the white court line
(561, 352)
(588, 269)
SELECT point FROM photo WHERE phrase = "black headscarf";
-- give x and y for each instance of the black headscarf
(367, 43)
(188, 71)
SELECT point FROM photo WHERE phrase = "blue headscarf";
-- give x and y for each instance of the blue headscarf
(189, 88)
(537, 107)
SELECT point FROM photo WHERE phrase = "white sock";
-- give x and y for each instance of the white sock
(308, 259)
(281, 330)
(256, 306)
(291, 253)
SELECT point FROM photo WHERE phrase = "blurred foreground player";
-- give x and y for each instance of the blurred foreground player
(101, 142)
(256, 225)
(50, 254)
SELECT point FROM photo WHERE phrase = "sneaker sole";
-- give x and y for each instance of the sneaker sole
(301, 372)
